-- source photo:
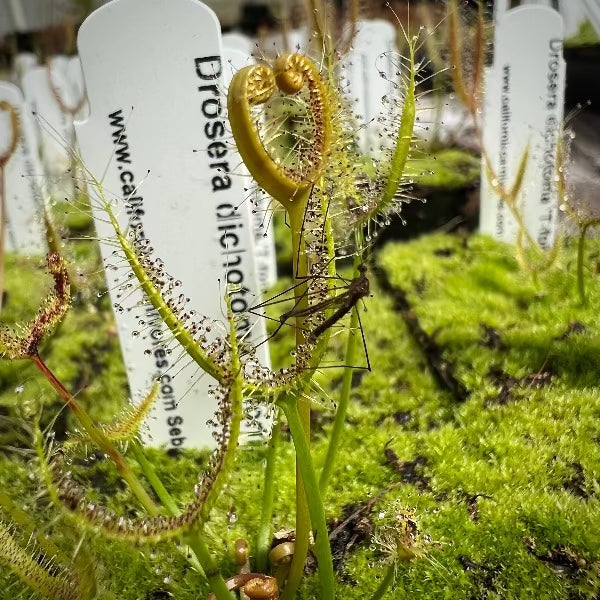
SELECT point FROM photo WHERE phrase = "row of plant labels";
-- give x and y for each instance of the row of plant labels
(154, 131)
(41, 95)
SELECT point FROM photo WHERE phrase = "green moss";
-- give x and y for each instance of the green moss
(517, 461)
(445, 170)
(586, 36)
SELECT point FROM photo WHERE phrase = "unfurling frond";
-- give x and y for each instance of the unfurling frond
(291, 74)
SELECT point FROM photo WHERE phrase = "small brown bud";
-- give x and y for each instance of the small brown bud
(241, 552)
(262, 589)
(282, 554)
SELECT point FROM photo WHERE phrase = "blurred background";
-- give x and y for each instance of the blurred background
(43, 29)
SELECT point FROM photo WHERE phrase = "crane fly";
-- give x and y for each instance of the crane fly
(357, 289)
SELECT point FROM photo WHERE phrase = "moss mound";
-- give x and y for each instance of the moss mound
(481, 415)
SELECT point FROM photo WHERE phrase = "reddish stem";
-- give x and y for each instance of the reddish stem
(81, 415)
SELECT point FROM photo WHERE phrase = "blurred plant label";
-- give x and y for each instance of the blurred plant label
(264, 242)
(523, 112)
(158, 108)
(575, 13)
(369, 73)
(238, 41)
(23, 178)
(67, 84)
(55, 127)
(261, 213)
(23, 62)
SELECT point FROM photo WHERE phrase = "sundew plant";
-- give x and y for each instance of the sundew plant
(296, 134)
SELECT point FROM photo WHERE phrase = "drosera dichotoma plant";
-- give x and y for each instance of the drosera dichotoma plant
(334, 209)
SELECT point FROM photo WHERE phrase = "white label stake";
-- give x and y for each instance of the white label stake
(524, 110)
(54, 126)
(159, 107)
(369, 73)
(23, 179)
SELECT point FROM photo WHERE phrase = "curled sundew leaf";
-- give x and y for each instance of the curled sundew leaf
(380, 199)
(38, 572)
(15, 131)
(25, 342)
(188, 329)
(70, 497)
(159, 287)
(254, 86)
(126, 426)
(71, 109)
(401, 541)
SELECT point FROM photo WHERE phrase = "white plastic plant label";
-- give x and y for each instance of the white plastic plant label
(67, 84)
(261, 214)
(238, 41)
(574, 12)
(264, 243)
(23, 62)
(369, 73)
(76, 81)
(298, 40)
(55, 127)
(500, 7)
(158, 107)
(23, 178)
(523, 112)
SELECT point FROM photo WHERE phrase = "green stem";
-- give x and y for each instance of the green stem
(385, 584)
(211, 569)
(342, 409)
(313, 498)
(100, 439)
(205, 562)
(153, 479)
(580, 257)
(302, 542)
(265, 528)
